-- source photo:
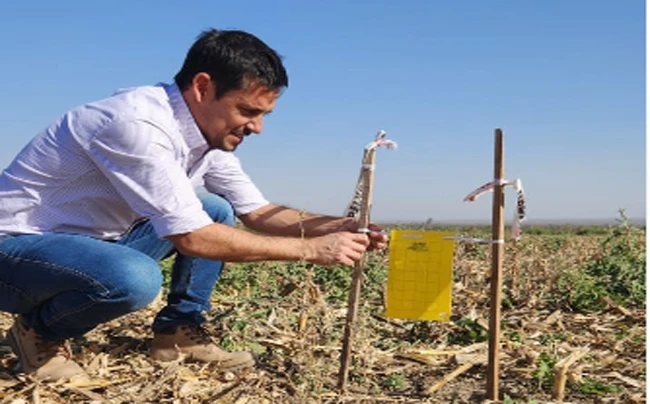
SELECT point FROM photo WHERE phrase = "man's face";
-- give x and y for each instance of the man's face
(225, 122)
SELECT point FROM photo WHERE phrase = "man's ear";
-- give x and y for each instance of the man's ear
(202, 87)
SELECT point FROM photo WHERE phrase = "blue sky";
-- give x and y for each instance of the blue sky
(565, 80)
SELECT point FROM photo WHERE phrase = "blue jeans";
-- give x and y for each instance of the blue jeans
(65, 285)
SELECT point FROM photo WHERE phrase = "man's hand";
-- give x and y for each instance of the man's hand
(337, 248)
(378, 240)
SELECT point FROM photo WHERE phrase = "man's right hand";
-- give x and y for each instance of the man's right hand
(343, 248)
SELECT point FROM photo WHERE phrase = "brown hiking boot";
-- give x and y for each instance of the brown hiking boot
(47, 360)
(197, 345)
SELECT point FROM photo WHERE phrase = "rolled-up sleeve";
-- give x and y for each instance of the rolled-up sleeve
(226, 177)
(139, 160)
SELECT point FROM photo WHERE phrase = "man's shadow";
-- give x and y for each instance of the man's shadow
(9, 366)
(119, 345)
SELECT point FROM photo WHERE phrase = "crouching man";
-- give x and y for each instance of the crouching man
(91, 205)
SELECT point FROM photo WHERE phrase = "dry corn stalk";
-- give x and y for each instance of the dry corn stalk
(561, 369)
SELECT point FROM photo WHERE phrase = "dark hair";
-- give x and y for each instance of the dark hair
(232, 59)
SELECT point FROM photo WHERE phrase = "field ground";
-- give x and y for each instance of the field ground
(566, 290)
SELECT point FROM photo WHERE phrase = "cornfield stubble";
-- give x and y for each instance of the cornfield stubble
(564, 288)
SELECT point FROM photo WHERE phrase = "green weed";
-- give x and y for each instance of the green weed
(469, 332)
(394, 382)
(555, 242)
(512, 335)
(549, 339)
(334, 281)
(616, 272)
(591, 386)
(544, 373)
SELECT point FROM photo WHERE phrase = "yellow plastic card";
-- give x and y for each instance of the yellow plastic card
(419, 275)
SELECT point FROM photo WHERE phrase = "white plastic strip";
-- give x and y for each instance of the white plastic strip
(354, 207)
(520, 211)
(487, 187)
(380, 140)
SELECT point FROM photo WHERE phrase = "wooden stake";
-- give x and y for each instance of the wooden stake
(496, 280)
(357, 274)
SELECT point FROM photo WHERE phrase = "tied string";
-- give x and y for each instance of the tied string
(520, 211)
(354, 207)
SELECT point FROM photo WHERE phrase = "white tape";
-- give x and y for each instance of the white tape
(367, 230)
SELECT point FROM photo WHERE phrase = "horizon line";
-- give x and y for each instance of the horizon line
(527, 222)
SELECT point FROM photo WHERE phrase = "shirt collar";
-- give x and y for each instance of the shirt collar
(190, 131)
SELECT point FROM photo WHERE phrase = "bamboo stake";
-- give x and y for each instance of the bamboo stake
(496, 279)
(357, 274)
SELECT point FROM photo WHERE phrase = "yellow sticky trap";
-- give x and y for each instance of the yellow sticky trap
(419, 275)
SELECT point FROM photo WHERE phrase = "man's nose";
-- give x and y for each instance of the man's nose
(255, 125)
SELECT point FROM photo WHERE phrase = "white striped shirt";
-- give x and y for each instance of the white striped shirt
(105, 165)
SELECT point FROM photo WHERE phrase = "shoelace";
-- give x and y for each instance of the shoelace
(198, 334)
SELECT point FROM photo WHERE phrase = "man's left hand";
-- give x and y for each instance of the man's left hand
(378, 239)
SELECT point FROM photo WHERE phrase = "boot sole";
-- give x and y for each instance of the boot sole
(245, 365)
